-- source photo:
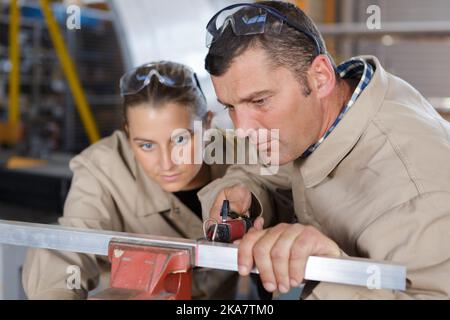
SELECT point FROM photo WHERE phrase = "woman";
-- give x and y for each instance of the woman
(130, 182)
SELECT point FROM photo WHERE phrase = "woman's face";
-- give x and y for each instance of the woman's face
(154, 135)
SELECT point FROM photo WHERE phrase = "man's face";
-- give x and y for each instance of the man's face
(259, 96)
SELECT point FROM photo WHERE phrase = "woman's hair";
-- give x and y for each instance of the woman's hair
(156, 94)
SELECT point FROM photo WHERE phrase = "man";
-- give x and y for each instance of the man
(371, 157)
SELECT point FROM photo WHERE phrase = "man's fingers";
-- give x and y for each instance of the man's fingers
(312, 242)
(262, 254)
(240, 198)
(245, 251)
(281, 253)
(239, 207)
(258, 224)
(302, 247)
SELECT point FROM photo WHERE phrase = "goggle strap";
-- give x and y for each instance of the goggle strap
(212, 28)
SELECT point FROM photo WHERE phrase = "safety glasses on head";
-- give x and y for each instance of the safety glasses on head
(167, 73)
(251, 19)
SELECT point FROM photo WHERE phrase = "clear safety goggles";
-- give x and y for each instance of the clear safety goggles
(251, 19)
(138, 78)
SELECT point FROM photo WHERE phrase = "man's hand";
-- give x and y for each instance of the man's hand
(240, 199)
(280, 253)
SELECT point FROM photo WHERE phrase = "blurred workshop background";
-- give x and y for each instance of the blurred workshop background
(59, 76)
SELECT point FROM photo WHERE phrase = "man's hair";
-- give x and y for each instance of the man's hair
(290, 48)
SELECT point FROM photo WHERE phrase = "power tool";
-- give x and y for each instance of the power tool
(232, 227)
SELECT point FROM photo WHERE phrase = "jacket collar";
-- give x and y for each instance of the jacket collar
(344, 137)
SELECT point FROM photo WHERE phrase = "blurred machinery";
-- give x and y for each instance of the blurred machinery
(412, 40)
(49, 120)
(58, 93)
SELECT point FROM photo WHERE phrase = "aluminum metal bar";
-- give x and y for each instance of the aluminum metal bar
(78, 240)
(353, 271)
